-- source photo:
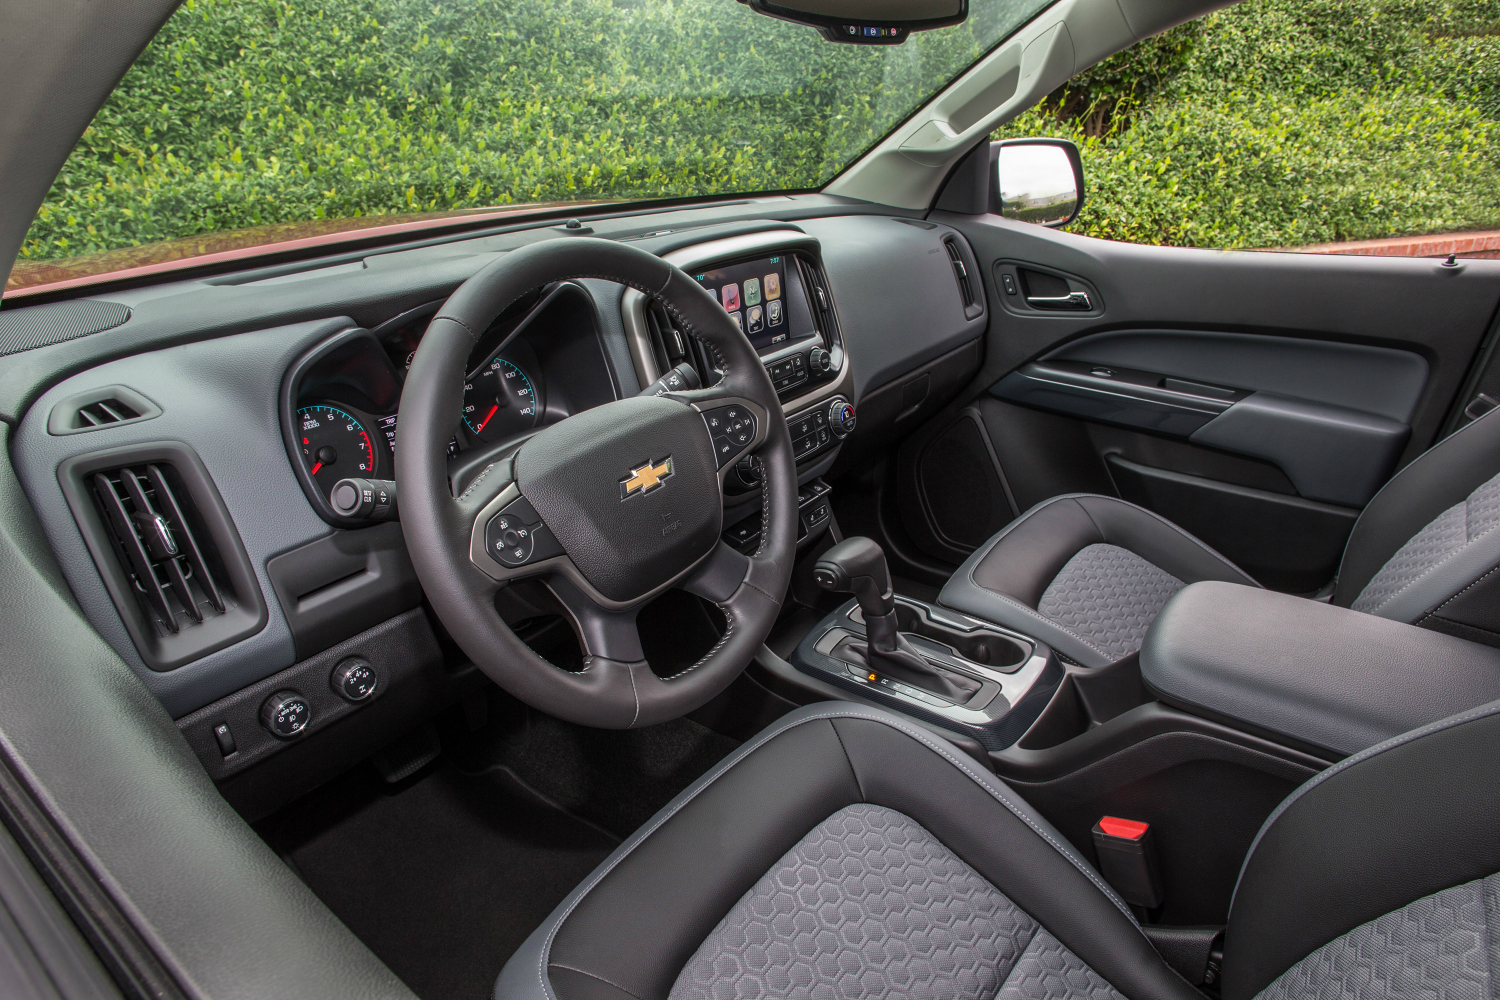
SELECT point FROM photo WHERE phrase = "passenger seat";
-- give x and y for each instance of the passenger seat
(1087, 574)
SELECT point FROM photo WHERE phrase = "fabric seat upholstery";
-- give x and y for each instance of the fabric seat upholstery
(847, 853)
(1087, 574)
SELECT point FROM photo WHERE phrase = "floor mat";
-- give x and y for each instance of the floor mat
(442, 878)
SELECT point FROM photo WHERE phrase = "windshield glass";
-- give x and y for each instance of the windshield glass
(285, 116)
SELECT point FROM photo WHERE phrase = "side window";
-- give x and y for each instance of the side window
(1346, 126)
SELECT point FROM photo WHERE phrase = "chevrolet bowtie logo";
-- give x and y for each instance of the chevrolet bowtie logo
(645, 479)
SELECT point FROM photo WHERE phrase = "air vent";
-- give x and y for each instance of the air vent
(151, 534)
(965, 279)
(822, 303)
(166, 550)
(671, 345)
(103, 407)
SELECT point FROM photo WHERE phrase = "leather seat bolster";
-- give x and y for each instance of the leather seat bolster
(1393, 824)
(1439, 478)
(630, 929)
(1004, 579)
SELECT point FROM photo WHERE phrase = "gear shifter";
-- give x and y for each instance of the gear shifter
(857, 566)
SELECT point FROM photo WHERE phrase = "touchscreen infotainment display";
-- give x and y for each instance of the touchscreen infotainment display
(764, 298)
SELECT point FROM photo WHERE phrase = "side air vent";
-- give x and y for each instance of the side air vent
(166, 549)
(103, 407)
(152, 536)
(966, 287)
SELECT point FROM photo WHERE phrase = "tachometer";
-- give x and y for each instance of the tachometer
(499, 400)
(335, 445)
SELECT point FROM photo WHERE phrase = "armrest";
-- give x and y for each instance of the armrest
(1326, 677)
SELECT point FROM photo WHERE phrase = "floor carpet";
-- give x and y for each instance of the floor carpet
(442, 877)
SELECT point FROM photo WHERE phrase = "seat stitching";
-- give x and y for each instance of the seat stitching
(1433, 568)
(1474, 583)
(585, 972)
(749, 748)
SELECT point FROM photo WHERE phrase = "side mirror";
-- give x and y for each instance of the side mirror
(1038, 180)
(863, 22)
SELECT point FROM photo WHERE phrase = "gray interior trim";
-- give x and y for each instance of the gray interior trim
(1330, 452)
(1323, 676)
(58, 321)
(1376, 380)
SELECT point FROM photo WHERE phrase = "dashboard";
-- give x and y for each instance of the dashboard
(239, 434)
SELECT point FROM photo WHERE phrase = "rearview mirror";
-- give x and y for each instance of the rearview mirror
(1038, 180)
(866, 22)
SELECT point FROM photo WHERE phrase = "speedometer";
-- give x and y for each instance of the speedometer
(499, 400)
(334, 445)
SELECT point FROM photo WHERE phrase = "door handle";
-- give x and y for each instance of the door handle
(1073, 300)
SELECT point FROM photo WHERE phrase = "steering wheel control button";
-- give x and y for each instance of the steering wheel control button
(732, 428)
(354, 679)
(516, 536)
(285, 714)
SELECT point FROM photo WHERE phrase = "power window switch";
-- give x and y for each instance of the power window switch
(225, 739)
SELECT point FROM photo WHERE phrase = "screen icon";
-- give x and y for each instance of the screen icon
(739, 321)
(773, 285)
(754, 318)
(731, 293)
(752, 291)
(773, 313)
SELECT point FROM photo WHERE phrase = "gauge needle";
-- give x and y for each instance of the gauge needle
(486, 419)
(316, 468)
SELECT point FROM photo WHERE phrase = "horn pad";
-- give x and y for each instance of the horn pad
(630, 489)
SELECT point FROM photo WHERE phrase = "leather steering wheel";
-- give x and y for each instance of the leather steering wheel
(610, 507)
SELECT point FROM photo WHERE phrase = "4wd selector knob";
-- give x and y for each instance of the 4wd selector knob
(354, 679)
(841, 417)
(285, 714)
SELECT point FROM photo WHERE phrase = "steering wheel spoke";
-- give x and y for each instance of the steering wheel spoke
(603, 634)
(508, 540)
(737, 426)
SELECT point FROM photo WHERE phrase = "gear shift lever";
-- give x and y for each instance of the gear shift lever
(857, 566)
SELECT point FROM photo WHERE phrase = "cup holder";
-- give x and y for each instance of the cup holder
(983, 646)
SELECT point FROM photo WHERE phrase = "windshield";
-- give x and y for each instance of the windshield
(283, 116)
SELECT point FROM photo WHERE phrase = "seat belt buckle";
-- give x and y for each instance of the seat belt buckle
(1127, 860)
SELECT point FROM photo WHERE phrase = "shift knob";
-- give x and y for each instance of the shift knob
(857, 565)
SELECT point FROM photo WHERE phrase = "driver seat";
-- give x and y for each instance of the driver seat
(846, 852)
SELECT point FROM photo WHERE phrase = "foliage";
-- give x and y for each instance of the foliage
(249, 112)
(1287, 123)
(1272, 123)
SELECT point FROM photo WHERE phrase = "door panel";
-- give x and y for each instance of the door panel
(1257, 399)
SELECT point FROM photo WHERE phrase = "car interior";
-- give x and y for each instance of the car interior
(842, 593)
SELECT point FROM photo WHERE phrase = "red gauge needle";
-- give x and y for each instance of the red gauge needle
(480, 428)
(316, 468)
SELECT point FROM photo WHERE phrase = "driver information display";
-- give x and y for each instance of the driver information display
(756, 296)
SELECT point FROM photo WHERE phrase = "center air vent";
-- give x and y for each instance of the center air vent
(166, 549)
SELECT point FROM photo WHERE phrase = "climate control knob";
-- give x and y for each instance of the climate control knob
(285, 714)
(841, 417)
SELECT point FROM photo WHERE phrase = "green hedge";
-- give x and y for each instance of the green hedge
(1287, 122)
(1277, 122)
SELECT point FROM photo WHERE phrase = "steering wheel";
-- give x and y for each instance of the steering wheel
(610, 507)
